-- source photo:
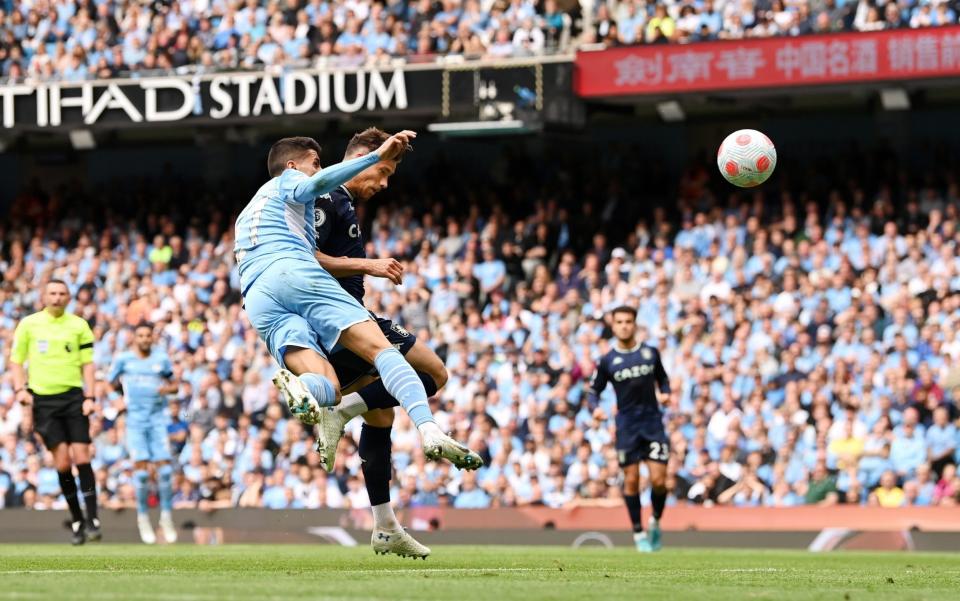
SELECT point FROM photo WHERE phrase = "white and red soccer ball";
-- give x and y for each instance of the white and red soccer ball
(747, 158)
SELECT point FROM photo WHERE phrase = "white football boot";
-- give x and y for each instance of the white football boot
(168, 528)
(398, 542)
(329, 430)
(437, 445)
(147, 535)
(299, 399)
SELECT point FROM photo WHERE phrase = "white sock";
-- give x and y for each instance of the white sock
(430, 427)
(166, 515)
(384, 518)
(351, 405)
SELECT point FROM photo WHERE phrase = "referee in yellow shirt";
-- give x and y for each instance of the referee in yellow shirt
(57, 348)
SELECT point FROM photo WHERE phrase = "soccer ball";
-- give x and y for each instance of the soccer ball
(746, 158)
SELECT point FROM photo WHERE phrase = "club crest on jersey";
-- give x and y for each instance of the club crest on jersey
(157, 367)
(617, 360)
(319, 217)
(646, 354)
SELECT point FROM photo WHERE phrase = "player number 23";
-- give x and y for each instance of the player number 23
(658, 450)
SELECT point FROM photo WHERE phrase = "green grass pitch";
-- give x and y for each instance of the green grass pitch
(288, 573)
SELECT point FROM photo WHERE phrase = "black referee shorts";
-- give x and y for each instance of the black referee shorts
(59, 418)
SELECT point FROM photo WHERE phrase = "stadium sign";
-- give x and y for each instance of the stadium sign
(430, 91)
(166, 99)
(770, 63)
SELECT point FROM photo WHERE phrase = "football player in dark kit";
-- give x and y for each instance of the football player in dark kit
(341, 252)
(636, 372)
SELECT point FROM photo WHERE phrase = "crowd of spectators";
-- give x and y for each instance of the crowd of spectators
(75, 40)
(810, 344)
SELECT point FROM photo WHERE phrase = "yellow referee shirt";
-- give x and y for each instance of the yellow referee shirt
(55, 349)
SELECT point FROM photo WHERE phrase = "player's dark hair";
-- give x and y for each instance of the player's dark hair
(143, 324)
(288, 149)
(625, 309)
(60, 282)
(369, 139)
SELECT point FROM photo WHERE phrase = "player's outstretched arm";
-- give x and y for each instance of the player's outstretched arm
(330, 177)
(341, 267)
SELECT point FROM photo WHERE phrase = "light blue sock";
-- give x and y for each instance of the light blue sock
(165, 476)
(403, 384)
(140, 479)
(321, 388)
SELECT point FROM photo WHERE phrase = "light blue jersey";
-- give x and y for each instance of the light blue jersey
(289, 298)
(279, 220)
(142, 378)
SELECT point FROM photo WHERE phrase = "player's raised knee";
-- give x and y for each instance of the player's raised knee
(440, 376)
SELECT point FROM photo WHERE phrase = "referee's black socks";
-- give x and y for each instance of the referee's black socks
(68, 486)
(88, 486)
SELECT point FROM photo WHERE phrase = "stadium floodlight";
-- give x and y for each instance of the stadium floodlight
(82, 139)
(671, 111)
(895, 99)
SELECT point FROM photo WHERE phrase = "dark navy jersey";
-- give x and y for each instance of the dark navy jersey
(635, 375)
(338, 234)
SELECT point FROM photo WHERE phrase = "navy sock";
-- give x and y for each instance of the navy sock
(68, 486)
(658, 498)
(375, 456)
(633, 508)
(375, 394)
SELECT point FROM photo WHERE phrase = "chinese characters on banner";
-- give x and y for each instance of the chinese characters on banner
(772, 62)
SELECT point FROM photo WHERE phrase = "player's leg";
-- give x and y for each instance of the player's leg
(160, 455)
(138, 445)
(371, 393)
(631, 498)
(630, 463)
(306, 380)
(368, 392)
(141, 484)
(401, 381)
(310, 292)
(424, 360)
(388, 535)
(658, 495)
(308, 384)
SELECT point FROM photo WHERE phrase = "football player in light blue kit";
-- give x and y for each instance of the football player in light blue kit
(301, 312)
(145, 374)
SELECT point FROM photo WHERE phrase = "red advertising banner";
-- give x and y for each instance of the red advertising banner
(771, 62)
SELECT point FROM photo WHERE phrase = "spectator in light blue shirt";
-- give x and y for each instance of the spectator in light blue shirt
(470, 496)
(378, 39)
(711, 17)
(491, 271)
(941, 438)
(907, 451)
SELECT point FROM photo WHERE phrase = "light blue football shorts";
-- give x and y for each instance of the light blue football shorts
(150, 441)
(297, 303)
